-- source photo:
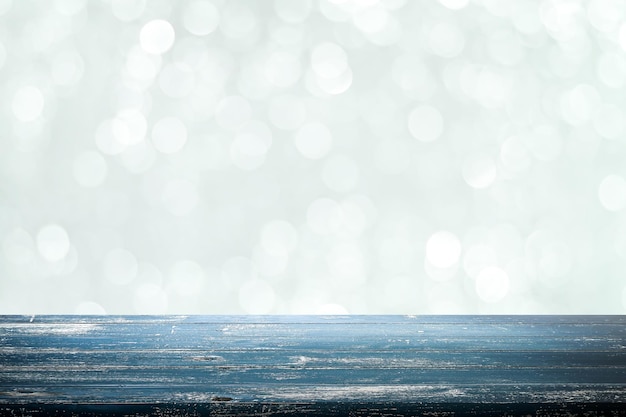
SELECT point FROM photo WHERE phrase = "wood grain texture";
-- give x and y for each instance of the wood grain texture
(313, 365)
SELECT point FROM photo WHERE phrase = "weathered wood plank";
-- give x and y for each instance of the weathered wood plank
(313, 365)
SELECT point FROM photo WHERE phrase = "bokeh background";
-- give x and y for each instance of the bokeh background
(312, 156)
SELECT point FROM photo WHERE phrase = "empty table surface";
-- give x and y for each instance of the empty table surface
(313, 365)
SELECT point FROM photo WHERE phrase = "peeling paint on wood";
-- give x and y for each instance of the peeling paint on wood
(313, 365)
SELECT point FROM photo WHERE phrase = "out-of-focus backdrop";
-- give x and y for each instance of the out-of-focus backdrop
(300, 156)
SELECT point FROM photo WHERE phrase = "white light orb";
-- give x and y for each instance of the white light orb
(169, 135)
(256, 297)
(201, 18)
(157, 36)
(454, 4)
(425, 123)
(53, 242)
(119, 266)
(279, 237)
(90, 169)
(177, 80)
(293, 11)
(128, 10)
(89, 308)
(282, 69)
(612, 192)
(150, 299)
(443, 249)
(329, 60)
(479, 170)
(187, 278)
(232, 112)
(313, 140)
(28, 103)
(492, 284)
(340, 173)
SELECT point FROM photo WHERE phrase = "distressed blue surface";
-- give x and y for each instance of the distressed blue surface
(313, 365)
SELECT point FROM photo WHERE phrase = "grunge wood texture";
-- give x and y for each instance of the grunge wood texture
(313, 365)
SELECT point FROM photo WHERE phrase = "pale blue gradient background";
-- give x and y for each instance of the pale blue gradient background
(331, 156)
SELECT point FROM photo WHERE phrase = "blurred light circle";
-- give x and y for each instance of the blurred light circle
(346, 264)
(180, 197)
(282, 68)
(138, 158)
(201, 18)
(492, 284)
(269, 264)
(157, 36)
(329, 60)
(128, 10)
(425, 123)
(256, 297)
(414, 77)
(53, 242)
(106, 138)
(611, 69)
(443, 249)
(66, 69)
(446, 39)
(130, 127)
(578, 104)
(232, 112)
(608, 121)
(340, 173)
(454, 4)
(605, 15)
(28, 103)
(371, 19)
(313, 140)
(506, 48)
(89, 308)
(150, 299)
(323, 216)
(479, 170)
(142, 66)
(545, 142)
(287, 112)
(390, 34)
(238, 21)
(250, 145)
(514, 155)
(477, 258)
(169, 135)
(119, 266)
(336, 85)
(177, 80)
(90, 169)
(187, 277)
(549, 258)
(293, 11)
(278, 237)
(237, 270)
(69, 7)
(612, 192)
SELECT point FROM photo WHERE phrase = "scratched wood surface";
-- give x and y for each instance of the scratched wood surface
(313, 365)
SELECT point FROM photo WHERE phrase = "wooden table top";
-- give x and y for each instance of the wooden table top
(313, 365)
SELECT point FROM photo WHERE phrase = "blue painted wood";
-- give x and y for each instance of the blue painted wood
(313, 365)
